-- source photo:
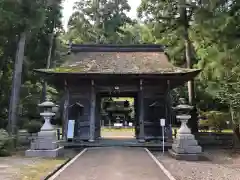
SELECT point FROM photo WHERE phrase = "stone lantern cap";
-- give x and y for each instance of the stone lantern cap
(47, 104)
(183, 107)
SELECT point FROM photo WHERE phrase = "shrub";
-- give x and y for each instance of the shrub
(56, 121)
(203, 124)
(33, 126)
(6, 143)
(22, 122)
(3, 123)
(216, 120)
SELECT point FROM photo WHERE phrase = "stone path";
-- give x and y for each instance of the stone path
(113, 163)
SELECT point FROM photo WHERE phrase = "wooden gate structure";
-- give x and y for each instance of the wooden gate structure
(139, 71)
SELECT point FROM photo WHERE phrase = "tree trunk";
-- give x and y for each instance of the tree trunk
(189, 65)
(193, 122)
(236, 137)
(97, 19)
(44, 88)
(236, 131)
(16, 85)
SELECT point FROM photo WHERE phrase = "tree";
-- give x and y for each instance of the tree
(26, 25)
(26, 9)
(217, 44)
(100, 20)
(229, 93)
(208, 32)
(53, 21)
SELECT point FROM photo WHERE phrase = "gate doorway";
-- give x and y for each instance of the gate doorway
(117, 116)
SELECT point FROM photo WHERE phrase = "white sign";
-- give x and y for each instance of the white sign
(70, 129)
(162, 122)
(118, 125)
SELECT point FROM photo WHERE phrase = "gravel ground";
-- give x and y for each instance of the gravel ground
(222, 165)
(10, 167)
(19, 167)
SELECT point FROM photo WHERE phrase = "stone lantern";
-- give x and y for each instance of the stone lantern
(185, 146)
(47, 114)
(46, 143)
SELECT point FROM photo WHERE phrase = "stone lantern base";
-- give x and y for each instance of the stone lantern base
(45, 145)
(185, 147)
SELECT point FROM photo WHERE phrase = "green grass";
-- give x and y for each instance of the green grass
(223, 131)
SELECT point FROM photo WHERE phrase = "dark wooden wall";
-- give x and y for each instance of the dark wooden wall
(154, 110)
(154, 100)
(82, 95)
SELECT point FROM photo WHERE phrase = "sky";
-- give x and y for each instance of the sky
(68, 9)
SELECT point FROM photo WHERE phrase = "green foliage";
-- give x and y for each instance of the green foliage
(56, 121)
(3, 123)
(38, 19)
(203, 124)
(6, 143)
(100, 20)
(214, 32)
(215, 120)
(33, 126)
(22, 122)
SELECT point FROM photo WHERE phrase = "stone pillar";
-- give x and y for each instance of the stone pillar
(141, 113)
(92, 113)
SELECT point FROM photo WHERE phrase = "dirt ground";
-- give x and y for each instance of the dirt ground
(222, 165)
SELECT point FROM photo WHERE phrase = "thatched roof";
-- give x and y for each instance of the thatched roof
(115, 59)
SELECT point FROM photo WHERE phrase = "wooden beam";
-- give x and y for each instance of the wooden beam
(117, 48)
(141, 113)
(126, 88)
(92, 112)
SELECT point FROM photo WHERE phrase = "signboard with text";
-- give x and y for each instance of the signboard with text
(162, 122)
(70, 129)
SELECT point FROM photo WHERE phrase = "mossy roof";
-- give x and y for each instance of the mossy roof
(121, 62)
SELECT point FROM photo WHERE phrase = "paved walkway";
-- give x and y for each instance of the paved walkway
(113, 163)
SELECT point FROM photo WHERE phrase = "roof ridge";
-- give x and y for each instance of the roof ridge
(116, 47)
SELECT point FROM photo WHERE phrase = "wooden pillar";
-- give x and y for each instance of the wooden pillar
(168, 111)
(92, 112)
(141, 113)
(167, 101)
(65, 111)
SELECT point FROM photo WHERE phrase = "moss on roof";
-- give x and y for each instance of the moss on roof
(80, 71)
(118, 63)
